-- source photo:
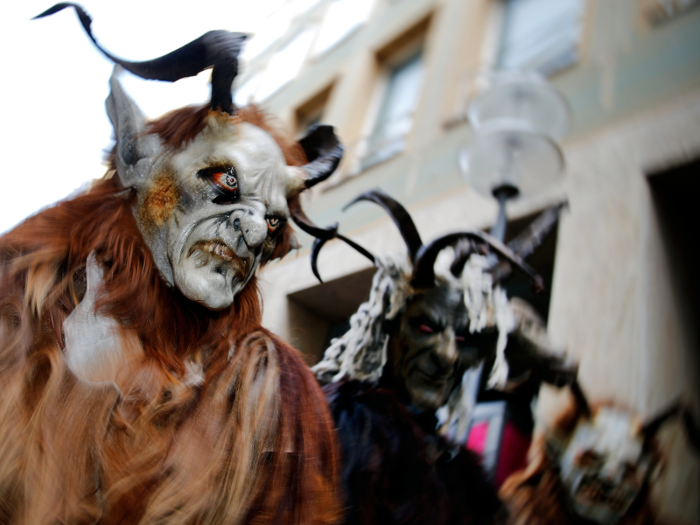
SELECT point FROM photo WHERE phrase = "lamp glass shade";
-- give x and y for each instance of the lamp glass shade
(524, 97)
(507, 156)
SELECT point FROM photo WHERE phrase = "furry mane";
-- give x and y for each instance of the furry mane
(252, 442)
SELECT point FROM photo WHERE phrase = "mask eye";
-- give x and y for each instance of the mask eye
(225, 182)
(589, 459)
(272, 224)
(424, 325)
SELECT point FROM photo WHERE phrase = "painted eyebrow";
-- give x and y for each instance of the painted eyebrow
(215, 162)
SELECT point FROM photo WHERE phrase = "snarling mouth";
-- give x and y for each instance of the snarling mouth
(436, 380)
(217, 253)
(592, 491)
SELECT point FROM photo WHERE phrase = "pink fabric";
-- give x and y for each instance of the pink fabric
(477, 437)
(513, 453)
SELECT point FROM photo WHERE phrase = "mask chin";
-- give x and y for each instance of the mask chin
(425, 397)
(602, 507)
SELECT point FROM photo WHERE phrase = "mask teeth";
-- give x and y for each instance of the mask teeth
(216, 248)
(223, 251)
(201, 259)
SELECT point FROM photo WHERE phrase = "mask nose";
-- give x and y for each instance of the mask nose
(251, 224)
(446, 351)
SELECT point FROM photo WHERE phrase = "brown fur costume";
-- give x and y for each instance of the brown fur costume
(250, 443)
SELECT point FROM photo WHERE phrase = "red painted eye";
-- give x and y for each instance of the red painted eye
(426, 329)
(459, 338)
(272, 224)
(226, 180)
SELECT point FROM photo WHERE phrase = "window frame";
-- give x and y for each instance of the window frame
(493, 48)
(386, 63)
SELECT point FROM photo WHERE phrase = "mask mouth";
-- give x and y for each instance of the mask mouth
(593, 493)
(216, 254)
(437, 379)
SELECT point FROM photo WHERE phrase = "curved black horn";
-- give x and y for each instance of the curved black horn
(306, 224)
(219, 49)
(324, 151)
(532, 236)
(652, 427)
(400, 216)
(527, 241)
(323, 235)
(424, 273)
(581, 401)
(319, 243)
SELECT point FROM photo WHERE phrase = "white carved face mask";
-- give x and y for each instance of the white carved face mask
(230, 186)
(212, 210)
(603, 465)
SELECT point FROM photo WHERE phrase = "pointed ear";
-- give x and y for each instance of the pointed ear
(135, 153)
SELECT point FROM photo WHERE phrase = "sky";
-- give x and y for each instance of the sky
(54, 130)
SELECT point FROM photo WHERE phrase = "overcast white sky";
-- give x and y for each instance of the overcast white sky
(53, 125)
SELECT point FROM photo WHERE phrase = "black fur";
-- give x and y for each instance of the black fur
(397, 470)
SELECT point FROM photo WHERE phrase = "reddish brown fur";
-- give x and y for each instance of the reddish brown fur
(253, 444)
(178, 128)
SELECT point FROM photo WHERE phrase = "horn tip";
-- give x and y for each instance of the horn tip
(537, 285)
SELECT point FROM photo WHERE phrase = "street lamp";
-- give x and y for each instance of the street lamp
(517, 118)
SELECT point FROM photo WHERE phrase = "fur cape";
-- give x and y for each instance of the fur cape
(397, 470)
(206, 418)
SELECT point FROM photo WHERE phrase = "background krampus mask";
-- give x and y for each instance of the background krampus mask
(430, 316)
(594, 465)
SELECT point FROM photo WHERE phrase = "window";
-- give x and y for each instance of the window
(540, 35)
(395, 115)
(341, 18)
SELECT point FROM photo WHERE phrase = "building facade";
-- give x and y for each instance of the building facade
(395, 77)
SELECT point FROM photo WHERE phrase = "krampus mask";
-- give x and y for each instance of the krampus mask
(138, 385)
(430, 316)
(210, 210)
(603, 457)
